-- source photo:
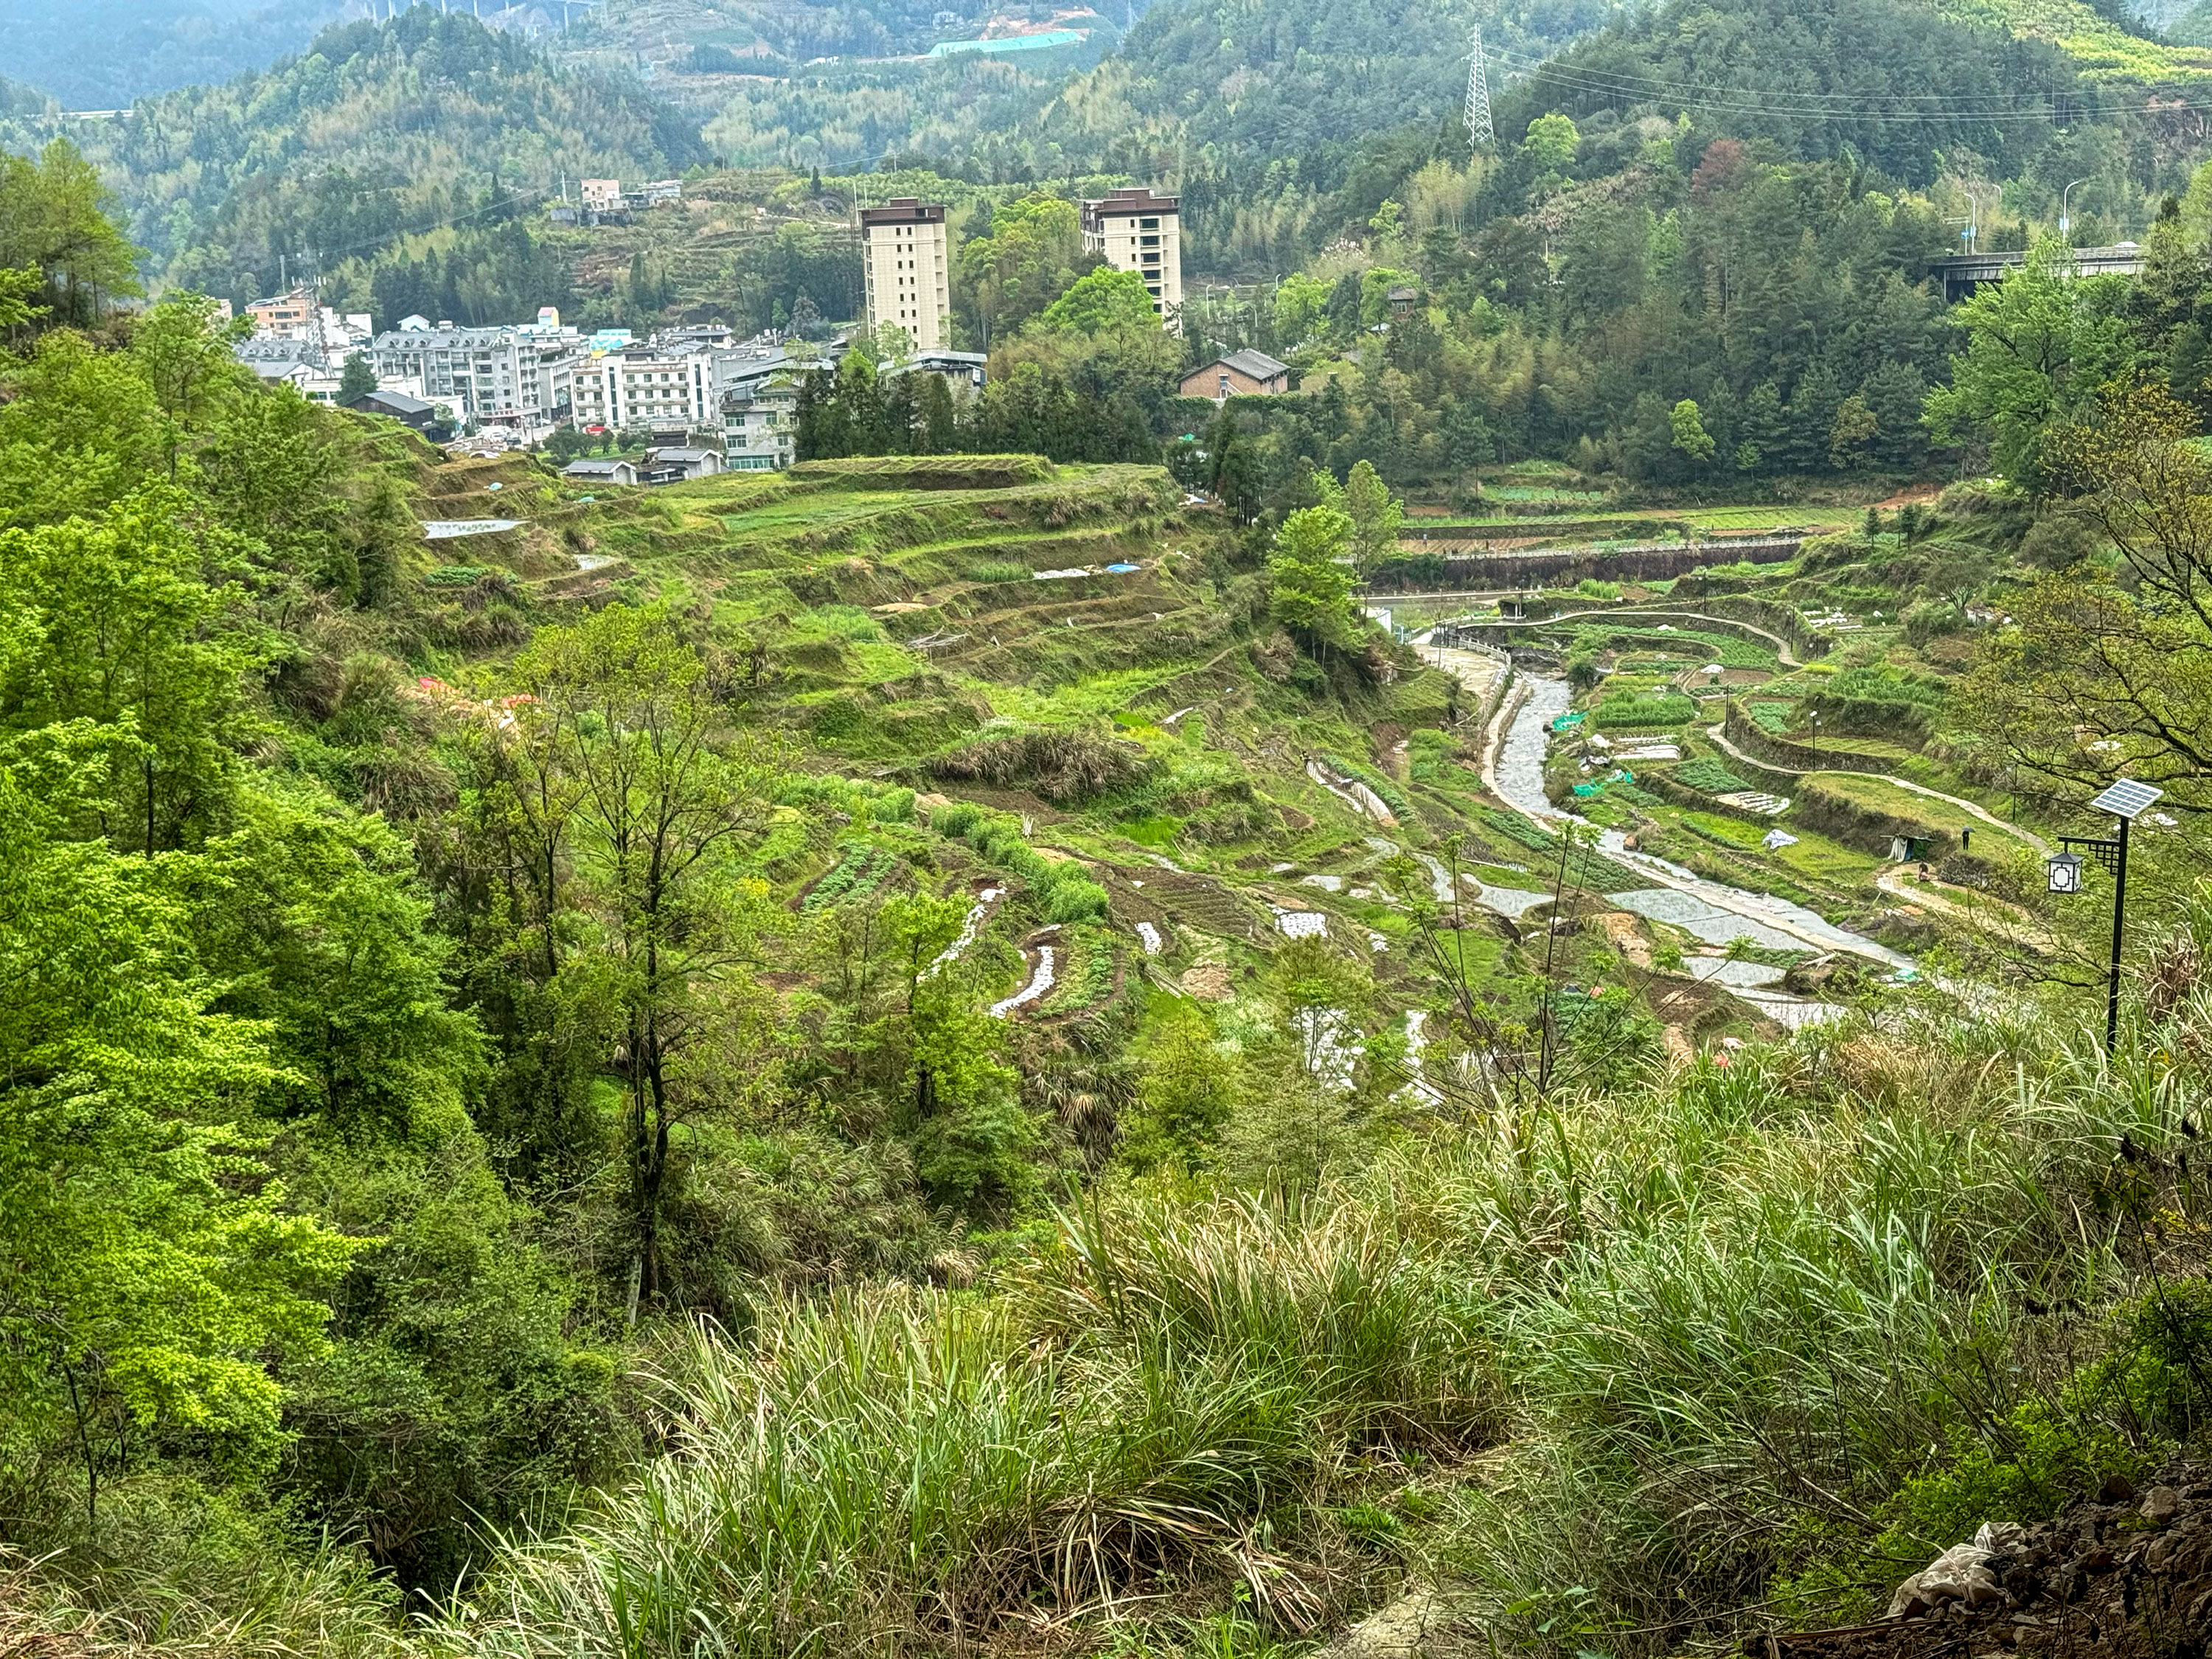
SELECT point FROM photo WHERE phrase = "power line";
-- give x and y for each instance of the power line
(512, 199)
(1479, 130)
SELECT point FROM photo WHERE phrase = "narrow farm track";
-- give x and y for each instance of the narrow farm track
(1720, 741)
(1783, 653)
(1989, 916)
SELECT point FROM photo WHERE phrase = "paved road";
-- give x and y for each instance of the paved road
(1720, 742)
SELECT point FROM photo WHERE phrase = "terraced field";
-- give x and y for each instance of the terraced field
(1066, 650)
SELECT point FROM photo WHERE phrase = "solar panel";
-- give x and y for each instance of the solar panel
(2126, 797)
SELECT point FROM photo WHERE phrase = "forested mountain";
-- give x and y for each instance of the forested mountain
(1894, 87)
(1193, 88)
(379, 128)
(1216, 83)
(103, 54)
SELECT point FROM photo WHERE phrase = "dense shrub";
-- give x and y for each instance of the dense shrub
(1060, 766)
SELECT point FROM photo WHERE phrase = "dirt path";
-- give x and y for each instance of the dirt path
(1720, 741)
(1783, 653)
(1995, 918)
(1476, 671)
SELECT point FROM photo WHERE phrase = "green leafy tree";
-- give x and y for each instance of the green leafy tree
(1687, 423)
(185, 352)
(357, 379)
(111, 624)
(1851, 434)
(1300, 304)
(1551, 142)
(1100, 301)
(665, 800)
(18, 291)
(153, 1271)
(81, 431)
(1033, 253)
(2039, 345)
(1376, 514)
(54, 219)
(1310, 570)
(1189, 1090)
(2103, 672)
(1298, 1119)
(975, 1148)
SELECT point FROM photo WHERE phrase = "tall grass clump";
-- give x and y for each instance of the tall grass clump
(1751, 1313)
(1165, 1399)
(1764, 1332)
(327, 1605)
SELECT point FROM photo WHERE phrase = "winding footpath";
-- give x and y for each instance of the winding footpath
(1720, 741)
(1783, 653)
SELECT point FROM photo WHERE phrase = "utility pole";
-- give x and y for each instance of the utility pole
(1478, 129)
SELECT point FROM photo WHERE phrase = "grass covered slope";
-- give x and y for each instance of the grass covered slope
(1157, 1401)
(1755, 1336)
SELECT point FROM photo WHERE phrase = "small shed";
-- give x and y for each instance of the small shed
(1240, 375)
(614, 471)
(682, 464)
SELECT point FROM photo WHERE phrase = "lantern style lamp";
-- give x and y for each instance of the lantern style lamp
(2125, 800)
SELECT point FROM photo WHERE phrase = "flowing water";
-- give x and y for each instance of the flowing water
(1710, 910)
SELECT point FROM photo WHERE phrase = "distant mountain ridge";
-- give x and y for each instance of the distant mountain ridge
(104, 54)
(378, 130)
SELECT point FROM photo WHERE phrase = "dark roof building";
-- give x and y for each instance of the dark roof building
(406, 410)
(614, 471)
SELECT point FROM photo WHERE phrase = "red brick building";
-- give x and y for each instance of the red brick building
(1240, 375)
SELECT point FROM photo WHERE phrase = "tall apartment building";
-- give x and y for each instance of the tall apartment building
(1135, 230)
(905, 255)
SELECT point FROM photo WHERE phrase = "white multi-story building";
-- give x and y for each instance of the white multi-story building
(905, 258)
(1135, 230)
(757, 389)
(666, 385)
(523, 377)
(301, 316)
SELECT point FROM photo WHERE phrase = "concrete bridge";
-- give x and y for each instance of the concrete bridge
(1962, 273)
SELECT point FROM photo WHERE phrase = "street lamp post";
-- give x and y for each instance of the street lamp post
(1816, 740)
(2065, 220)
(2123, 800)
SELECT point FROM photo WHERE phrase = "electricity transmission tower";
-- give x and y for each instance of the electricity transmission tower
(1479, 130)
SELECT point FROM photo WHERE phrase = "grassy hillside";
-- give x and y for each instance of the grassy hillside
(2106, 50)
(878, 1057)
